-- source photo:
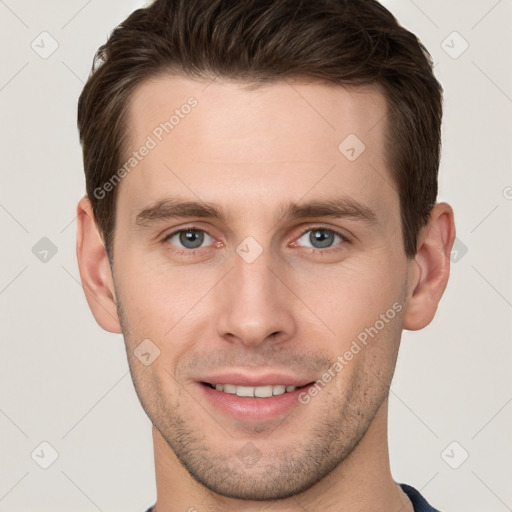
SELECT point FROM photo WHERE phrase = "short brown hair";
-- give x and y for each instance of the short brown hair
(345, 42)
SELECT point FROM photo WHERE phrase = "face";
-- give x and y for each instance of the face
(288, 274)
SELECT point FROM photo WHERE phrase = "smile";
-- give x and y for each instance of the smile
(253, 404)
(253, 391)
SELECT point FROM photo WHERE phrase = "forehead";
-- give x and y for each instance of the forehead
(289, 138)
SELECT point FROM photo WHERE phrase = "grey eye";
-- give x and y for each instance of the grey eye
(320, 238)
(189, 238)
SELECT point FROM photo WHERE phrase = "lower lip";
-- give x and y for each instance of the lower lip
(253, 409)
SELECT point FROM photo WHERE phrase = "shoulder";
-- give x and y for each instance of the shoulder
(419, 503)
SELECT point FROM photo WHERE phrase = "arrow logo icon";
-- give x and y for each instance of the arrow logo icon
(351, 147)
(44, 250)
(146, 352)
(249, 249)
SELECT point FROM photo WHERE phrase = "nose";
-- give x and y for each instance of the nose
(256, 305)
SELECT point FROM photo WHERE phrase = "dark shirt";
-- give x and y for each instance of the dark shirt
(418, 501)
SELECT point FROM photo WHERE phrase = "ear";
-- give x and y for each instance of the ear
(430, 268)
(95, 272)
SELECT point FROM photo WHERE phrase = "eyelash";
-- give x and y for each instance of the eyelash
(193, 252)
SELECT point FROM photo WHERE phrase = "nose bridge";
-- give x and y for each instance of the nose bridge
(254, 281)
(256, 304)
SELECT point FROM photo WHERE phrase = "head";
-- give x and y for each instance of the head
(261, 203)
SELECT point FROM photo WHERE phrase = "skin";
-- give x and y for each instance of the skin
(293, 310)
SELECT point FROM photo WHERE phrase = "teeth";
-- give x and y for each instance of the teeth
(245, 391)
(263, 391)
(229, 388)
(279, 390)
(254, 391)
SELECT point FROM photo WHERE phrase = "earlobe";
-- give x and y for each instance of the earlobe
(430, 269)
(95, 272)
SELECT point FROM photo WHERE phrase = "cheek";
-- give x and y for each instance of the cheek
(168, 306)
(352, 295)
(157, 293)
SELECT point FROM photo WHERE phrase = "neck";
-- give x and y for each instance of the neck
(362, 482)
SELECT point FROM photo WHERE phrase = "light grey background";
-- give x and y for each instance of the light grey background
(64, 381)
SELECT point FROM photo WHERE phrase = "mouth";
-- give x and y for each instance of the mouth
(266, 401)
(255, 391)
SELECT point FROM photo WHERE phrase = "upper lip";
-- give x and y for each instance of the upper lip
(245, 379)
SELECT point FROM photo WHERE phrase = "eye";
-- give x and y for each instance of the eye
(320, 238)
(189, 239)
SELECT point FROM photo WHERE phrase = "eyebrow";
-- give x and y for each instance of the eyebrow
(175, 208)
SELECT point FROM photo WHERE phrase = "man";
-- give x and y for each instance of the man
(261, 224)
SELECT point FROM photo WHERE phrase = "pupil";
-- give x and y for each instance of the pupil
(191, 239)
(321, 237)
